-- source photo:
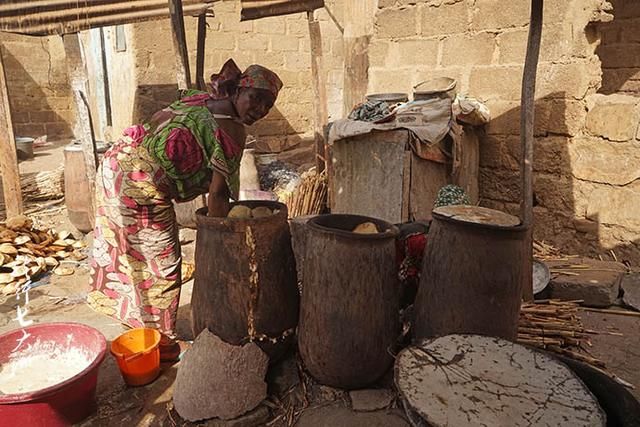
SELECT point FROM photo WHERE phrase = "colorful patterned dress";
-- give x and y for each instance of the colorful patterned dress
(135, 270)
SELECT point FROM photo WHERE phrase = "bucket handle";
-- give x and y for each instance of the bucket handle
(135, 356)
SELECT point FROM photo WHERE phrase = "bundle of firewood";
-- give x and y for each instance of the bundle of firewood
(45, 185)
(554, 325)
(309, 197)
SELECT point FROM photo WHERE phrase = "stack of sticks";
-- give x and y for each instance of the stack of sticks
(554, 325)
(310, 196)
(544, 251)
(45, 185)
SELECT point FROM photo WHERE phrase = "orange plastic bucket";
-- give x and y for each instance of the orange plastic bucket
(138, 355)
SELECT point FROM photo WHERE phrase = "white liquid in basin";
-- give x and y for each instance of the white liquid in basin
(41, 365)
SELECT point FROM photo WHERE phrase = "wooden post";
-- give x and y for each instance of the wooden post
(180, 44)
(321, 114)
(358, 16)
(527, 112)
(8, 157)
(83, 128)
(202, 38)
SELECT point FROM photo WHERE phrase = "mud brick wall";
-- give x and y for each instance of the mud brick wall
(39, 92)
(279, 43)
(620, 49)
(584, 203)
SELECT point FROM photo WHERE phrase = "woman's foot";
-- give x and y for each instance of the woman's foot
(169, 349)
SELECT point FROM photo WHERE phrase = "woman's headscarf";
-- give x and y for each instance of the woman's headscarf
(230, 78)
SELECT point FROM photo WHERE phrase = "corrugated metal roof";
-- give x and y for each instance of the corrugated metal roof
(47, 17)
(255, 9)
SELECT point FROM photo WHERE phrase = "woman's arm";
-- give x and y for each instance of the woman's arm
(218, 202)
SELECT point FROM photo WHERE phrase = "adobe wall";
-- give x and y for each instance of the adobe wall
(38, 88)
(586, 153)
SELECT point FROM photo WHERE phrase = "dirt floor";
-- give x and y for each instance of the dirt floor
(62, 299)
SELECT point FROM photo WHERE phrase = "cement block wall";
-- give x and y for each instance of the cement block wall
(38, 88)
(583, 203)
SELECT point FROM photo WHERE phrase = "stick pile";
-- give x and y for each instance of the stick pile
(554, 325)
(45, 185)
(309, 197)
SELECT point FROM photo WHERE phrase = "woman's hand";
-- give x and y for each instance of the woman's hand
(218, 201)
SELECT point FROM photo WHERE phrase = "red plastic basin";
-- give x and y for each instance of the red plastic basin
(61, 404)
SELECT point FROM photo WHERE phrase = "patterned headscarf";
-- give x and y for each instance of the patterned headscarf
(229, 79)
(259, 77)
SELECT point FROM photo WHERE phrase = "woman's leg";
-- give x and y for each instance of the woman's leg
(136, 265)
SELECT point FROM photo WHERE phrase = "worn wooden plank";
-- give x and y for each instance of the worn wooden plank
(527, 113)
(356, 71)
(318, 85)
(368, 175)
(406, 185)
(427, 178)
(256, 9)
(200, 51)
(180, 44)
(467, 174)
(83, 128)
(8, 156)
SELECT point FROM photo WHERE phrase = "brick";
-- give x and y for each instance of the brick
(494, 14)
(20, 117)
(445, 19)
(499, 185)
(284, 43)
(468, 50)
(500, 152)
(397, 23)
(557, 43)
(297, 27)
(566, 117)
(337, 48)
(221, 41)
(384, 80)
(58, 129)
(249, 41)
(573, 80)
(43, 116)
(553, 192)
(615, 205)
(505, 118)
(623, 30)
(274, 60)
(605, 162)
(623, 55)
(620, 80)
(551, 155)
(298, 61)
(482, 82)
(597, 286)
(378, 53)
(30, 130)
(270, 25)
(614, 117)
(305, 45)
(413, 52)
